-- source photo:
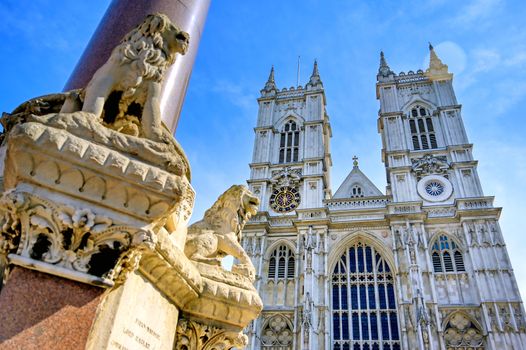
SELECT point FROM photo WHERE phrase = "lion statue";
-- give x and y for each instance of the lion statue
(125, 92)
(219, 232)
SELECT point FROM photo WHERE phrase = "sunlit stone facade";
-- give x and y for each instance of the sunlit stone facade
(422, 266)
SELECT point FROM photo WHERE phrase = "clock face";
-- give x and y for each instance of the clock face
(285, 199)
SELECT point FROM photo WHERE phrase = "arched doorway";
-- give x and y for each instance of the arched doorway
(363, 305)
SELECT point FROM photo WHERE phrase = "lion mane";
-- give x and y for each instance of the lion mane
(227, 213)
(147, 50)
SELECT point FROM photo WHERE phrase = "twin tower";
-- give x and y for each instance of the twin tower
(422, 265)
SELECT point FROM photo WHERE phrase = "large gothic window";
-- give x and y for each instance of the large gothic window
(422, 130)
(281, 264)
(277, 334)
(289, 143)
(446, 255)
(364, 315)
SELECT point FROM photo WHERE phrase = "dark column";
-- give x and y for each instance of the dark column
(120, 18)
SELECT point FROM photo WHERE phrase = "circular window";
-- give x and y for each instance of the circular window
(434, 188)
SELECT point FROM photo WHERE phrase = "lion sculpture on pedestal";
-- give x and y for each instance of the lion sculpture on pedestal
(219, 233)
(126, 90)
(124, 93)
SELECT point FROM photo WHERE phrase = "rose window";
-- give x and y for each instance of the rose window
(434, 188)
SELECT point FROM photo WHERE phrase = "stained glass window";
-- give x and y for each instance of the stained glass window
(364, 315)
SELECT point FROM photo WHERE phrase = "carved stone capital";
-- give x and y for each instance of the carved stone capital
(192, 335)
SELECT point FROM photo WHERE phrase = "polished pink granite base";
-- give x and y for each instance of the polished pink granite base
(40, 311)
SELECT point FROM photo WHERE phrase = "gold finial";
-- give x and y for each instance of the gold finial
(355, 161)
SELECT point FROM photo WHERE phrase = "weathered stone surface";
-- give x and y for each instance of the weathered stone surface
(134, 316)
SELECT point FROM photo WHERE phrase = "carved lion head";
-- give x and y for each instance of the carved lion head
(235, 206)
(155, 42)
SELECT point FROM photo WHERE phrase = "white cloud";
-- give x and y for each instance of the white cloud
(485, 60)
(477, 10)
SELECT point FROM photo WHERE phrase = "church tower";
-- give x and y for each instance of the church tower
(291, 161)
(422, 266)
(456, 285)
(290, 174)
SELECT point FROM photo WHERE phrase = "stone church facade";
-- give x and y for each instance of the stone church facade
(422, 266)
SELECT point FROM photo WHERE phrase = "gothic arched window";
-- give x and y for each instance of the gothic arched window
(277, 334)
(281, 264)
(422, 130)
(364, 314)
(462, 334)
(446, 255)
(289, 143)
(356, 191)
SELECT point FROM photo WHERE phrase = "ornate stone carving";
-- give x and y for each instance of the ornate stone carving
(219, 233)
(131, 79)
(306, 314)
(286, 177)
(430, 165)
(277, 332)
(461, 333)
(192, 335)
(96, 188)
(72, 238)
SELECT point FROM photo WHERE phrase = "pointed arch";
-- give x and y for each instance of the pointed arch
(369, 238)
(446, 254)
(417, 99)
(363, 300)
(281, 261)
(290, 115)
(422, 127)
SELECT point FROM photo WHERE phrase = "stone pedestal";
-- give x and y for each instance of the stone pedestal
(42, 311)
(96, 199)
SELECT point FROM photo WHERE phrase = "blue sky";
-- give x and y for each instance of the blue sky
(482, 41)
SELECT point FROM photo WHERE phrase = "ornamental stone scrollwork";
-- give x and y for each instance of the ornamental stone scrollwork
(286, 177)
(192, 335)
(71, 238)
(430, 165)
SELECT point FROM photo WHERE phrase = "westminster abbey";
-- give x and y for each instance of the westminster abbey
(421, 265)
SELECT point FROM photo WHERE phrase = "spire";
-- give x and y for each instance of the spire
(437, 70)
(383, 70)
(315, 77)
(270, 85)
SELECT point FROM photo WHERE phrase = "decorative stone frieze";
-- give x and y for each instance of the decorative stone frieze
(430, 165)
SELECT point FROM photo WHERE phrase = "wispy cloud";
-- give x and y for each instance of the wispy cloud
(477, 10)
(236, 94)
